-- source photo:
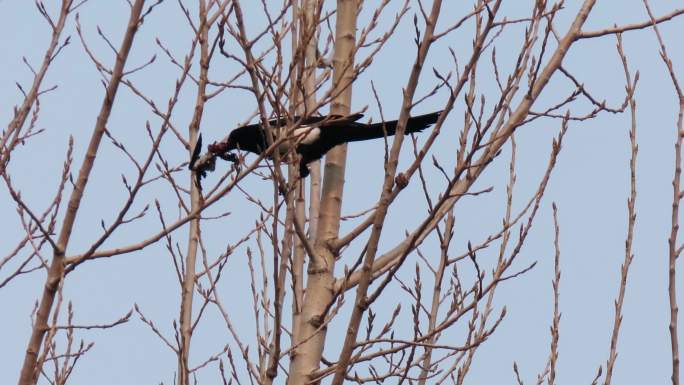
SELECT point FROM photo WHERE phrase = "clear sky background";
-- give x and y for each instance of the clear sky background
(590, 186)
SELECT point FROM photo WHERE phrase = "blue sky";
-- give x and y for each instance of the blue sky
(590, 186)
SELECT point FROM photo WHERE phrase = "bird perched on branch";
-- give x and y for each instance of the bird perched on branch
(314, 137)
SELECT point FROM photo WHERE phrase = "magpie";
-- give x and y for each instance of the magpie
(315, 136)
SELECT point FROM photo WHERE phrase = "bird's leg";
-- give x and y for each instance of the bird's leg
(237, 166)
(303, 169)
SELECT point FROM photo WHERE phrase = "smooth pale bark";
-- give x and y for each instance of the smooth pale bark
(311, 17)
(308, 26)
(188, 284)
(361, 304)
(319, 289)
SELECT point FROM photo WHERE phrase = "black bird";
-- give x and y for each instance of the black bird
(314, 137)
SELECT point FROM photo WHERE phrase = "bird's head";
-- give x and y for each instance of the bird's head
(222, 149)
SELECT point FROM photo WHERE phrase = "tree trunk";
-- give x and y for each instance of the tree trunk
(319, 289)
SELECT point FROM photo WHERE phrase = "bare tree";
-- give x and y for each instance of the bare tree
(289, 64)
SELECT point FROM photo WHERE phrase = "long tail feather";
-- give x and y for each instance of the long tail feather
(359, 132)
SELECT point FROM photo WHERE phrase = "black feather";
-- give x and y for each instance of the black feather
(195, 153)
(334, 130)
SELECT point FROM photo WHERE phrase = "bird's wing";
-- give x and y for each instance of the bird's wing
(249, 138)
(282, 122)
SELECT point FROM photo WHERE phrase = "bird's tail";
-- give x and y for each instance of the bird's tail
(378, 130)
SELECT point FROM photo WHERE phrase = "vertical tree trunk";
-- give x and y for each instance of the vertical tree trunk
(319, 289)
(188, 284)
(308, 43)
(312, 19)
(361, 303)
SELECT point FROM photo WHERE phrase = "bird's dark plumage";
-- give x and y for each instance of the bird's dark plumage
(317, 135)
